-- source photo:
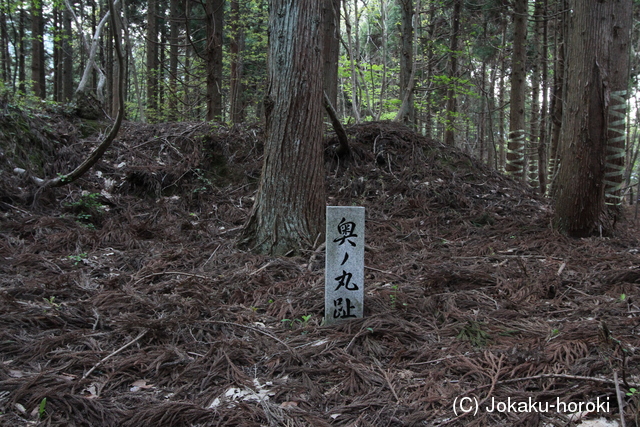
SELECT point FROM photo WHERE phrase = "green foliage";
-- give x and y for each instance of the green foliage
(77, 259)
(473, 332)
(88, 209)
(303, 321)
(42, 408)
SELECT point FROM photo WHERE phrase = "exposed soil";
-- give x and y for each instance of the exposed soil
(125, 301)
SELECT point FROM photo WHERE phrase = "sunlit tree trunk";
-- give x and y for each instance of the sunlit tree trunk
(597, 61)
(542, 144)
(288, 213)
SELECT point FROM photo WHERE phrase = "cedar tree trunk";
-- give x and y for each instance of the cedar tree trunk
(597, 55)
(288, 213)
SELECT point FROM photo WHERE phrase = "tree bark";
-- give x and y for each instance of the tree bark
(597, 52)
(22, 73)
(236, 86)
(176, 19)
(516, 145)
(407, 71)
(37, 50)
(355, 107)
(449, 136)
(558, 94)
(152, 59)
(288, 213)
(331, 27)
(542, 144)
(214, 15)
(534, 123)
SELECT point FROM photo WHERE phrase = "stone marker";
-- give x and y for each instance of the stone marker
(344, 264)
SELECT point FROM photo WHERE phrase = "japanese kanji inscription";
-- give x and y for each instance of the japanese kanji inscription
(344, 265)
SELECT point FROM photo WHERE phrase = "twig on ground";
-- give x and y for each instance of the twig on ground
(620, 399)
(291, 350)
(170, 272)
(114, 353)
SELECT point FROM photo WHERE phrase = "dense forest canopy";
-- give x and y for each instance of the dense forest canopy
(192, 60)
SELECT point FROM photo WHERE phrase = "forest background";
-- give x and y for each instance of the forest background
(206, 60)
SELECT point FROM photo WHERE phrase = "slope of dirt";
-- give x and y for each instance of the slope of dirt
(124, 301)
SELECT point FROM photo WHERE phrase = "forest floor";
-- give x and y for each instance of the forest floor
(125, 300)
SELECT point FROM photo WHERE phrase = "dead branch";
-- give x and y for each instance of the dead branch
(343, 149)
(97, 153)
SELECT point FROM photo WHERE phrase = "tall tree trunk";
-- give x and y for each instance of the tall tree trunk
(5, 58)
(214, 15)
(542, 144)
(597, 61)
(288, 213)
(57, 55)
(352, 62)
(428, 114)
(236, 87)
(501, 160)
(152, 60)
(67, 57)
(384, 41)
(452, 108)
(516, 145)
(22, 73)
(331, 55)
(176, 19)
(534, 124)
(407, 73)
(37, 50)
(558, 93)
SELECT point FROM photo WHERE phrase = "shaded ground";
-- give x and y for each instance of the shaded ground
(131, 305)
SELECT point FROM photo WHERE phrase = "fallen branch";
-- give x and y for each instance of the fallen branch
(97, 153)
(130, 343)
(343, 149)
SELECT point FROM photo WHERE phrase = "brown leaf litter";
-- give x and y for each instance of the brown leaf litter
(130, 304)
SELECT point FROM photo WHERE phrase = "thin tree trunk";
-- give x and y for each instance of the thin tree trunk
(452, 108)
(558, 94)
(354, 76)
(501, 161)
(407, 65)
(214, 15)
(384, 41)
(542, 145)
(516, 146)
(331, 27)
(534, 124)
(22, 74)
(37, 50)
(152, 60)
(97, 153)
(236, 87)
